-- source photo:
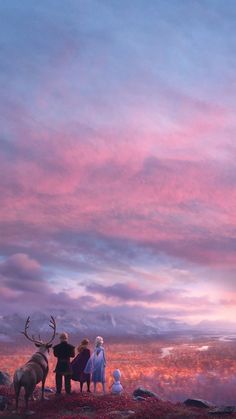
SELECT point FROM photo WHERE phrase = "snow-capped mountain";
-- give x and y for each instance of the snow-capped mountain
(91, 323)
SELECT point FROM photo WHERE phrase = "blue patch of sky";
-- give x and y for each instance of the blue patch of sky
(120, 51)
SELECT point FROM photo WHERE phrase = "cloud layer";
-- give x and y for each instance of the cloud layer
(117, 159)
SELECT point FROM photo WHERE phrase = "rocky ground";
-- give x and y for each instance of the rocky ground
(101, 406)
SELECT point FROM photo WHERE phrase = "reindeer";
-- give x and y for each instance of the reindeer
(36, 369)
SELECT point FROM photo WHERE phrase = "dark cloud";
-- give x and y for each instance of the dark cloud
(21, 273)
(21, 266)
(118, 290)
(64, 301)
(132, 293)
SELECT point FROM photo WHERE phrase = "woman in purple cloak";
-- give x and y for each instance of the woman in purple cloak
(79, 363)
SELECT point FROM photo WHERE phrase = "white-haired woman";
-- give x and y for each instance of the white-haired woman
(96, 364)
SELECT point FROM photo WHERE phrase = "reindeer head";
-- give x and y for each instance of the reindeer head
(44, 346)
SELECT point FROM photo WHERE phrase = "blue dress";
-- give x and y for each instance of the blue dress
(96, 365)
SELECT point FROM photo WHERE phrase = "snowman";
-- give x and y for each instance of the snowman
(116, 387)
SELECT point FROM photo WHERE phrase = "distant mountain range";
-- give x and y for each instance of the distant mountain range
(105, 324)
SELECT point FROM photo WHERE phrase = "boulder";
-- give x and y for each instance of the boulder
(143, 392)
(223, 410)
(140, 399)
(5, 379)
(122, 413)
(198, 403)
(3, 402)
(87, 409)
(49, 390)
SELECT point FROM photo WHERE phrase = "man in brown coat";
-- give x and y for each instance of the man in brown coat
(63, 351)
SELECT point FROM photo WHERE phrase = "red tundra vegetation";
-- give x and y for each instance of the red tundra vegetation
(175, 369)
(100, 406)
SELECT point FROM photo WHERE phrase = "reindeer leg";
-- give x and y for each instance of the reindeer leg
(28, 393)
(43, 384)
(17, 393)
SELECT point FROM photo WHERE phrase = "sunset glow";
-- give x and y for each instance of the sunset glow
(117, 160)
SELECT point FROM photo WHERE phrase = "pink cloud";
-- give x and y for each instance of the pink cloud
(84, 184)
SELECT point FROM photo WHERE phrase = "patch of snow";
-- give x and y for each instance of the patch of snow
(166, 351)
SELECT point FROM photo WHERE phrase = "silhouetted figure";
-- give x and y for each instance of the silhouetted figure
(63, 351)
(79, 363)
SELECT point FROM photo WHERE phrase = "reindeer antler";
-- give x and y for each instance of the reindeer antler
(52, 324)
(25, 333)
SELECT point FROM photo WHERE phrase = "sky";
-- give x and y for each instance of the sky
(117, 158)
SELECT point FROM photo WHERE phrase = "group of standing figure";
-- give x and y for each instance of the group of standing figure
(84, 368)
